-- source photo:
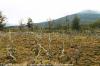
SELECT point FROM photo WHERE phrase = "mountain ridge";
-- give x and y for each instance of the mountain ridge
(87, 16)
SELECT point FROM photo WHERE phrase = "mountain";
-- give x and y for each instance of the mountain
(87, 16)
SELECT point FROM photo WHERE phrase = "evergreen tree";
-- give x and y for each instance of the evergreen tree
(2, 19)
(67, 24)
(75, 23)
(96, 24)
(30, 24)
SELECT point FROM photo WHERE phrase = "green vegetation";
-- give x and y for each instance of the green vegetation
(2, 19)
(95, 24)
(30, 24)
(75, 23)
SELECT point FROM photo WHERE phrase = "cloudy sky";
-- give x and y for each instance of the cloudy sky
(41, 10)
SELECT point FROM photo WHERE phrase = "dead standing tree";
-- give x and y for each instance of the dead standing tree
(49, 48)
(49, 24)
(11, 50)
(62, 58)
(21, 25)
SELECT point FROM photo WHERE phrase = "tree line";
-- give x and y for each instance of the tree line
(74, 25)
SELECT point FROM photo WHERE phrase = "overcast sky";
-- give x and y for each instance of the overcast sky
(41, 10)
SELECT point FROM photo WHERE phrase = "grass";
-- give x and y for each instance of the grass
(24, 44)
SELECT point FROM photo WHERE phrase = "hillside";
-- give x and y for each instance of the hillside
(87, 16)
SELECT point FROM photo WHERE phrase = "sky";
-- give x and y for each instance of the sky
(40, 10)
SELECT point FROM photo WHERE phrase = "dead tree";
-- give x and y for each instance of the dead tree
(10, 50)
(21, 25)
(10, 53)
(49, 24)
(73, 53)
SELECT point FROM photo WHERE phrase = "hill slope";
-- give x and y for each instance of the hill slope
(87, 16)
